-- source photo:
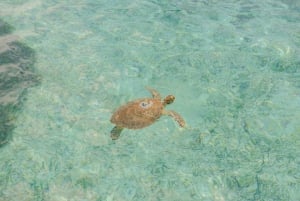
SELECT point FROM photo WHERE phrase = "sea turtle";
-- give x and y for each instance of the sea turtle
(142, 112)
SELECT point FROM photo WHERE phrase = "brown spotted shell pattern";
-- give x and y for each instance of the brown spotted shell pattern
(138, 114)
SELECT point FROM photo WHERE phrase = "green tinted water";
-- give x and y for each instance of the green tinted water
(233, 67)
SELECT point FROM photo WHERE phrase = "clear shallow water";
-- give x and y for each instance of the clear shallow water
(233, 67)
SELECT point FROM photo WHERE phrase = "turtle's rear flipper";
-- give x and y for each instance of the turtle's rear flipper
(115, 132)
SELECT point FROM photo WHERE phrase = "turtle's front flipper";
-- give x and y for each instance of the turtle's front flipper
(155, 94)
(115, 132)
(175, 116)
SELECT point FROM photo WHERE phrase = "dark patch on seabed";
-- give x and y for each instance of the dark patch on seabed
(16, 75)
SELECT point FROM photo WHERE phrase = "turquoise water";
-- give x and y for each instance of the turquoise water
(234, 67)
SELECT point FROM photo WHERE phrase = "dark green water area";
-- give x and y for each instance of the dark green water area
(17, 74)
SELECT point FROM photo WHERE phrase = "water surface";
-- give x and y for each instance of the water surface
(232, 65)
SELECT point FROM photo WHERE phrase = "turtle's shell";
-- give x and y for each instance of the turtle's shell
(138, 113)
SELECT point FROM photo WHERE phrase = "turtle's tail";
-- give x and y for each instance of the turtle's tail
(115, 132)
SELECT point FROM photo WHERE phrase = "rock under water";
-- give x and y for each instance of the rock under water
(16, 75)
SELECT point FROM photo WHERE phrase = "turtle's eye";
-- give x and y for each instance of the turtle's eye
(145, 104)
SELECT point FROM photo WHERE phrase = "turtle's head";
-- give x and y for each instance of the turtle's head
(169, 99)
